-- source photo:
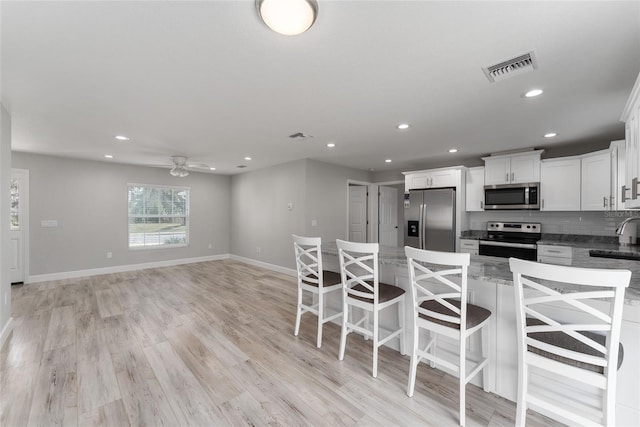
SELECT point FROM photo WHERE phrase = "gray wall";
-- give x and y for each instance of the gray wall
(89, 201)
(5, 178)
(328, 198)
(259, 214)
(260, 218)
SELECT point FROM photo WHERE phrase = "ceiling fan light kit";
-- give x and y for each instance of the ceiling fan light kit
(288, 17)
(179, 169)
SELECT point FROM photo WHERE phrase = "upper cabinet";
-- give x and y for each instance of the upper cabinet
(560, 184)
(596, 181)
(474, 189)
(435, 178)
(512, 168)
(631, 118)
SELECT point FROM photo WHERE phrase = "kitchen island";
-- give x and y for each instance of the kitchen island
(490, 284)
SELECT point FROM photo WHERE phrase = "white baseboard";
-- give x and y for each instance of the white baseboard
(272, 267)
(6, 331)
(121, 268)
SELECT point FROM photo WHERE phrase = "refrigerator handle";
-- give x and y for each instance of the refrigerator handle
(423, 224)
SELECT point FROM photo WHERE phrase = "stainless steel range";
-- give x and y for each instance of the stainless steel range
(511, 239)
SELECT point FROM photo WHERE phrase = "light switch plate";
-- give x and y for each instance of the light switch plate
(48, 223)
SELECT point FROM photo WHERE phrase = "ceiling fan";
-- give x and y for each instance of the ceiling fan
(180, 166)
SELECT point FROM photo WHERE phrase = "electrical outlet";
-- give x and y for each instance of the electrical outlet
(210, 246)
(314, 223)
(290, 206)
(109, 255)
(6, 298)
(258, 249)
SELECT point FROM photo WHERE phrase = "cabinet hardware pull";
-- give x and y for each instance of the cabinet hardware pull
(481, 205)
(513, 176)
(507, 178)
(634, 188)
(611, 199)
(542, 204)
(624, 193)
(604, 204)
(553, 251)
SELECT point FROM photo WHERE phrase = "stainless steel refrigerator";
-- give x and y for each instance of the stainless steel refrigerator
(430, 217)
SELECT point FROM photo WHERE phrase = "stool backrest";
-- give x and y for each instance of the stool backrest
(534, 286)
(359, 266)
(308, 259)
(429, 283)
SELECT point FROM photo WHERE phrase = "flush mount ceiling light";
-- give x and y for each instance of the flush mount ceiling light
(388, 161)
(288, 17)
(108, 156)
(453, 150)
(331, 145)
(122, 138)
(179, 169)
(403, 126)
(247, 158)
(550, 135)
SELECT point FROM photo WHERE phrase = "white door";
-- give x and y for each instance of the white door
(18, 224)
(358, 213)
(388, 216)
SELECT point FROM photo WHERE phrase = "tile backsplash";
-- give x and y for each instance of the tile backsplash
(589, 223)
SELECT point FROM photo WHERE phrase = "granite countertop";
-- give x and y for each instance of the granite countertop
(496, 270)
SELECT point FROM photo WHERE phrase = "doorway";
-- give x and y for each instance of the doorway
(19, 225)
(391, 214)
(358, 200)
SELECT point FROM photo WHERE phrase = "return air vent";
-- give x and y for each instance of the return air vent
(511, 67)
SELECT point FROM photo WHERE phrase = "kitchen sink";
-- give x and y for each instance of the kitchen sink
(615, 255)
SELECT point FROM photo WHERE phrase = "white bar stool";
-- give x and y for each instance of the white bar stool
(361, 288)
(313, 279)
(440, 307)
(585, 350)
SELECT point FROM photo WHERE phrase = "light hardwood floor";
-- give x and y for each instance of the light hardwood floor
(206, 344)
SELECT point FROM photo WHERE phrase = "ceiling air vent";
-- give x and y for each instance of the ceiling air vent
(511, 67)
(300, 135)
(241, 166)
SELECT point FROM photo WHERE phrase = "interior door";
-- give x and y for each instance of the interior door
(388, 216)
(17, 226)
(358, 213)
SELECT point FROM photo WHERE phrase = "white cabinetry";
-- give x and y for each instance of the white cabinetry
(631, 117)
(560, 184)
(469, 246)
(436, 178)
(552, 254)
(475, 189)
(596, 181)
(512, 168)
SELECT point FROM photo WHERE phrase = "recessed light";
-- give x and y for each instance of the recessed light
(122, 138)
(212, 169)
(550, 135)
(453, 150)
(403, 126)
(532, 93)
(108, 156)
(331, 145)
(388, 161)
(247, 158)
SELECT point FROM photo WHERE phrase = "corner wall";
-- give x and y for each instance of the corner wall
(89, 201)
(5, 178)
(260, 217)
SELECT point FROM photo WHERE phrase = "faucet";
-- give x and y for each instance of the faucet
(624, 223)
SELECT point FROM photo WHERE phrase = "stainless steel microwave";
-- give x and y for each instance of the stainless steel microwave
(512, 196)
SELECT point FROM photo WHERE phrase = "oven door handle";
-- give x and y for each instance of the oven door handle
(509, 244)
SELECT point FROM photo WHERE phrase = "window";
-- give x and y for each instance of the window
(158, 216)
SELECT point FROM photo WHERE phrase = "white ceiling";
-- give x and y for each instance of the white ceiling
(208, 80)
